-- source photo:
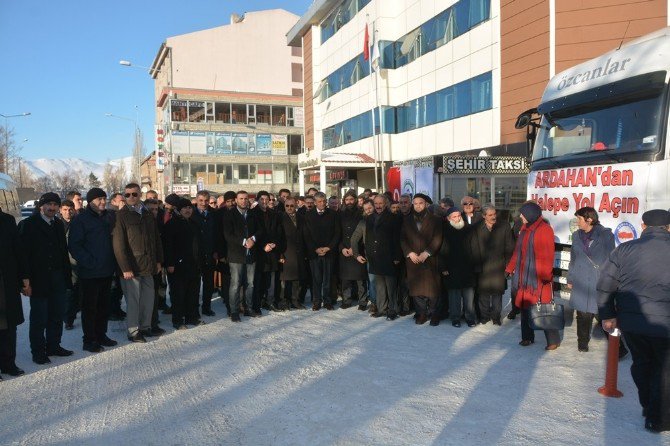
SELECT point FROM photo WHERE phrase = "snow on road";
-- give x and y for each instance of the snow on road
(311, 378)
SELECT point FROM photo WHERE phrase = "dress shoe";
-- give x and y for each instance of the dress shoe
(107, 342)
(275, 309)
(235, 317)
(137, 337)
(247, 313)
(421, 319)
(196, 322)
(298, 306)
(168, 310)
(59, 351)
(583, 348)
(362, 307)
(376, 315)
(484, 321)
(456, 324)
(329, 307)
(551, 347)
(404, 313)
(157, 331)
(316, 307)
(265, 306)
(512, 315)
(526, 343)
(345, 305)
(471, 323)
(256, 313)
(373, 308)
(391, 316)
(496, 321)
(69, 326)
(13, 371)
(434, 321)
(654, 427)
(93, 347)
(208, 313)
(41, 358)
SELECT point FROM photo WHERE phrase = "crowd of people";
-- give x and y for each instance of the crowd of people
(435, 261)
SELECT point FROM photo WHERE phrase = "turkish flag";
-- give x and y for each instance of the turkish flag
(393, 182)
(366, 44)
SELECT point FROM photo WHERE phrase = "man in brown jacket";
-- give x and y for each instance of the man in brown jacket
(139, 253)
(421, 239)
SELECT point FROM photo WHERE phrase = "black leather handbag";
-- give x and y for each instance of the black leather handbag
(546, 316)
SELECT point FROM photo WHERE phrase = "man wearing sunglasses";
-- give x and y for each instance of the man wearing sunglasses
(139, 253)
(470, 214)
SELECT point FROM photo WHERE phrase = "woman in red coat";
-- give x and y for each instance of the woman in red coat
(531, 265)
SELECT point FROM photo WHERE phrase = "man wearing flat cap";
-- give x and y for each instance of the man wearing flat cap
(49, 273)
(634, 296)
(90, 244)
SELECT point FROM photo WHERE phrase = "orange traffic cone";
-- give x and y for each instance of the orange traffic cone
(612, 373)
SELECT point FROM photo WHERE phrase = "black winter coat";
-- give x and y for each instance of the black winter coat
(456, 257)
(182, 246)
(12, 267)
(235, 230)
(208, 228)
(382, 243)
(634, 285)
(292, 249)
(90, 244)
(46, 251)
(491, 251)
(350, 268)
(272, 232)
(321, 231)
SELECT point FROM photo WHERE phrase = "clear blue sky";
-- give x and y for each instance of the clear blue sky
(60, 61)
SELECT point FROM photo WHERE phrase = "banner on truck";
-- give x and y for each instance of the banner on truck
(616, 191)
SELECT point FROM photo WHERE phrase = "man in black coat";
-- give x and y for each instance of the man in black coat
(73, 296)
(182, 260)
(294, 268)
(634, 296)
(492, 248)
(90, 243)
(383, 252)
(241, 231)
(12, 279)
(48, 269)
(206, 218)
(267, 272)
(321, 235)
(352, 273)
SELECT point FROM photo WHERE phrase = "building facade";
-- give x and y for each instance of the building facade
(430, 97)
(229, 108)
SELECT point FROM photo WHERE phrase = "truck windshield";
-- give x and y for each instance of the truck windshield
(616, 129)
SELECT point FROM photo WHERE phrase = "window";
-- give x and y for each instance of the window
(251, 113)
(243, 173)
(340, 16)
(294, 144)
(198, 171)
(179, 111)
(279, 174)
(479, 11)
(196, 111)
(209, 111)
(296, 72)
(463, 99)
(264, 174)
(279, 115)
(296, 51)
(481, 93)
(263, 114)
(228, 178)
(239, 113)
(222, 112)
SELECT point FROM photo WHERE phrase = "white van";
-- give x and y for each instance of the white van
(9, 199)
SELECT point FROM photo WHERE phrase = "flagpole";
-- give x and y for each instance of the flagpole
(374, 145)
(378, 107)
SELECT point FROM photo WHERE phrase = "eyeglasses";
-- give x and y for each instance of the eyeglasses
(273, 199)
(131, 194)
(468, 204)
(289, 205)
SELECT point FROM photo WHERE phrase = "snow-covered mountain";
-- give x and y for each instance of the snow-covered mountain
(49, 166)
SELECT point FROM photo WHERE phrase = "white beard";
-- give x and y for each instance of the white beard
(459, 225)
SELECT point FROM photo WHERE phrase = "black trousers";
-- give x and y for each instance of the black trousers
(387, 288)
(528, 334)
(430, 306)
(8, 348)
(72, 302)
(47, 313)
(584, 327)
(292, 290)
(321, 268)
(95, 307)
(354, 291)
(184, 298)
(115, 296)
(207, 287)
(490, 306)
(158, 280)
(651, 373)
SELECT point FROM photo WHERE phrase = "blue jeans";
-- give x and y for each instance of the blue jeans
(239, 273)
(46, 315)
(372, 287)
(460, 301)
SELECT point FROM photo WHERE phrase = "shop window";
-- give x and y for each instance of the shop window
(279, 115)
(295, 144)
(198, 170)
(279, 174)
(181, 173)
(228, 174)
(264, 174)
(196, 111)
(263, 114)
(243, 173)
(238, 113)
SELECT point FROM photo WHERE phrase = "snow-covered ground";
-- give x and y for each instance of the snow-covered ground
(312, 378)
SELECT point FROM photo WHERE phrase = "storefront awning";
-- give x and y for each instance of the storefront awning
(347, 160)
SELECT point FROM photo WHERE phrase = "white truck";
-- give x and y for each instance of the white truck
(600, 139)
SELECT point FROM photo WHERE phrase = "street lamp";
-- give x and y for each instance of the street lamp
(127, 63)
(137, 149)
(5, 152)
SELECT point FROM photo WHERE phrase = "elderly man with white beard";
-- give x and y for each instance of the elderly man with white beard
(456, 268)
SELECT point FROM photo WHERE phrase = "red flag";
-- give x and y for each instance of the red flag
(366, 44)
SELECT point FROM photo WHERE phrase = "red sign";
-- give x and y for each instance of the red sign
(393, 182)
